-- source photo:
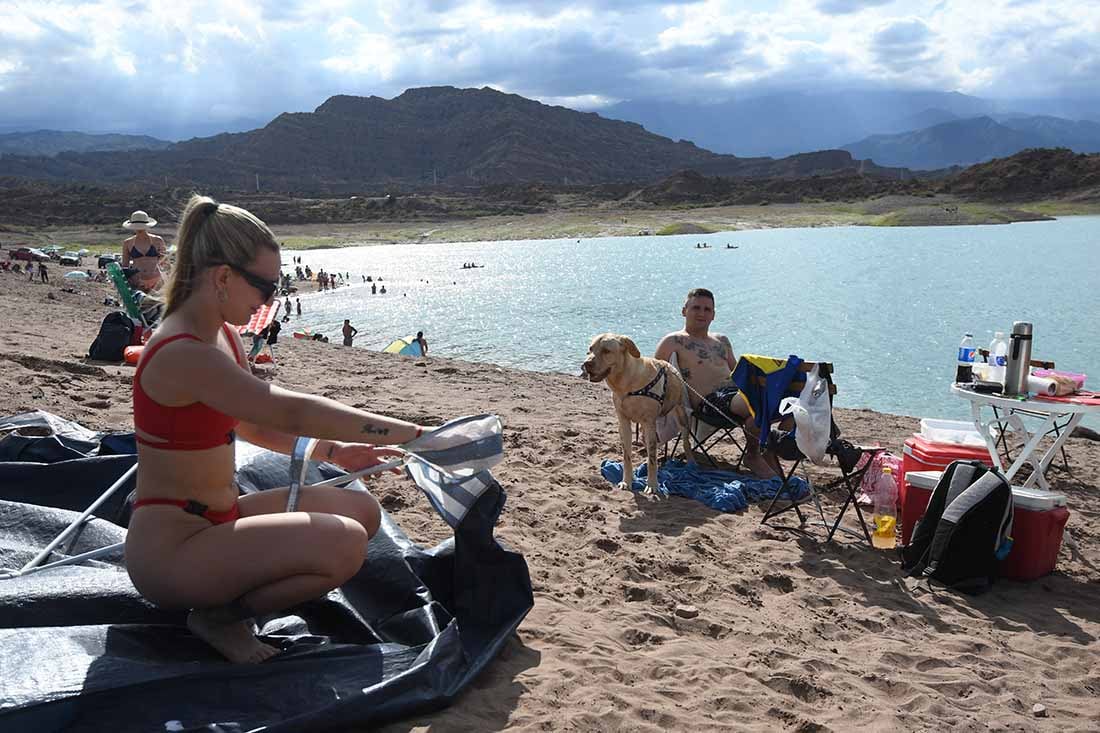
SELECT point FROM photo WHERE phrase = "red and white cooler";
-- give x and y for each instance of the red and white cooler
(1038, 523)
(922, 455)
(913, 496)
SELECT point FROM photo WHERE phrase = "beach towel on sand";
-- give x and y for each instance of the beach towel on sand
(725, 491)
(82, 651)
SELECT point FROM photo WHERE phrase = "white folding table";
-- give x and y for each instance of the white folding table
(1044, 416)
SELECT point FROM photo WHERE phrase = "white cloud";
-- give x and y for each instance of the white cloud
(80, 64)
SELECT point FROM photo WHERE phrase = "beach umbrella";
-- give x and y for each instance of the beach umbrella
(76, 275)
(407, 346)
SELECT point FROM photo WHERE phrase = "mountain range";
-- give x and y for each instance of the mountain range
(788, 123)
(457, 137)
(918, 130)
(52, 142)
(428, 136)
(976, 140)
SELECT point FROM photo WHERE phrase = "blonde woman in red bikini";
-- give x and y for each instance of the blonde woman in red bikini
(193, 543)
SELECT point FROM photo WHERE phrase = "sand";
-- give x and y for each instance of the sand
(661, 616)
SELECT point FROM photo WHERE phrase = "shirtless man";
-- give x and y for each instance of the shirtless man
(706, 361)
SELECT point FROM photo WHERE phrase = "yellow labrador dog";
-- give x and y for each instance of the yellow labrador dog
(642, 389)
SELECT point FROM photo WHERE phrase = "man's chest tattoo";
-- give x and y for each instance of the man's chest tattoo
(707, 352)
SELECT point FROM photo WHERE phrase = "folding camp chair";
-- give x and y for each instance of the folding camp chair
(846, 454)
(132, 300)
(260, 320)
(705, 433)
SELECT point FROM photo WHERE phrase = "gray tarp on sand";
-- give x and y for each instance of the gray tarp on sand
(82, 650)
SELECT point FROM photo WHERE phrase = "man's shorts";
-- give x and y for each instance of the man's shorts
(715, 408)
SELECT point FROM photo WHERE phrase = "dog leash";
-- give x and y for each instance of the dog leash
(702, 398)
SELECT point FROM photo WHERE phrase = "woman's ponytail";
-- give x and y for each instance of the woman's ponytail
(211, 234)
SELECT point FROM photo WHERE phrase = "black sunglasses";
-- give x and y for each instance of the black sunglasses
(266, 287)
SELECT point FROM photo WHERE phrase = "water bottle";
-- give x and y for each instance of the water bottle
(998, 357)
(886, 514)
(964, 372)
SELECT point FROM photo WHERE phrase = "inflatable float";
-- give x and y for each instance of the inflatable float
(131, 354)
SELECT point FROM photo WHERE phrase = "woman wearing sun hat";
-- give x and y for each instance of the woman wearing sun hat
(143, 251)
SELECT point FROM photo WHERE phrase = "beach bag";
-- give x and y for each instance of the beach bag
(813, 416)
(966, 530)
(869, 484)
(115, 334)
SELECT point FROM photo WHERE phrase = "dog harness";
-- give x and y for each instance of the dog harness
(647, 391)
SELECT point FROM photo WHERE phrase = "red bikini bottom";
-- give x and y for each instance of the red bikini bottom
(197, 508)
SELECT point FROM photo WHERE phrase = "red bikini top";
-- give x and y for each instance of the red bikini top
(187, 427)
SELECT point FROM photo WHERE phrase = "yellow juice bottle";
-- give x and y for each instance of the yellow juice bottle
(885, 534)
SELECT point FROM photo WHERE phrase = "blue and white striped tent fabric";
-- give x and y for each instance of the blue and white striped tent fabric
(451, 464)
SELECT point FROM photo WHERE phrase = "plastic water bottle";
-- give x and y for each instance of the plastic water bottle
(964, 372)
(885, 536)
(998, 357)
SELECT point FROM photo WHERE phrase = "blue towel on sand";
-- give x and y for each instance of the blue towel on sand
(725, 491)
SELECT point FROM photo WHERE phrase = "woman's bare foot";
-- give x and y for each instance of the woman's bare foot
(234, 639)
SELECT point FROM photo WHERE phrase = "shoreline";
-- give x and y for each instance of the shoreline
(593, 222)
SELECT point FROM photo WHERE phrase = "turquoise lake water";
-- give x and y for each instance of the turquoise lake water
(888, 306)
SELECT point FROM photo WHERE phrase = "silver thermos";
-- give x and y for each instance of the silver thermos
(1018, 368)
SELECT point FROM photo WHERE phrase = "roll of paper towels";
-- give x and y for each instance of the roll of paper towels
(1042, 385)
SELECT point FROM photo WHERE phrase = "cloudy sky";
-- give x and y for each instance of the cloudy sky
(197, 66)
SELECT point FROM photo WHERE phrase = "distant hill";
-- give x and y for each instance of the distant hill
(1082, 136)
(52, 142)
(690, 187)
(424, 137)
(1030, 174)
(783, 124)
(926, 118)
(975, 140)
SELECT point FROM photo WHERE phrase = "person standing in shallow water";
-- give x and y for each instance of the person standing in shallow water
(193, 542)
(349, 332)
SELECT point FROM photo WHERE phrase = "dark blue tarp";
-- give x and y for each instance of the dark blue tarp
(81, 650)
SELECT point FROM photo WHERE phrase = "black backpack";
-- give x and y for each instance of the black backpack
(114, 335)
(966, 530)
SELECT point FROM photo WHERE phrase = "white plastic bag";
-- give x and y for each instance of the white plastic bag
(812, 416)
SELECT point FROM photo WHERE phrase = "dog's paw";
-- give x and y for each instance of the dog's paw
(623, 486)
(653, 492)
